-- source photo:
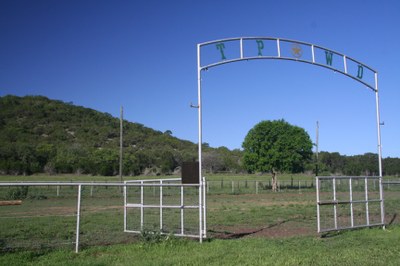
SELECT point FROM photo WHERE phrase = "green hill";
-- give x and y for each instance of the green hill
(42, 135)
(39, 135)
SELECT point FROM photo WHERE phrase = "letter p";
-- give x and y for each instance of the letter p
(260, 46)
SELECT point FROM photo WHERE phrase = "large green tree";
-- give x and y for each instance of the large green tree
(276, 146)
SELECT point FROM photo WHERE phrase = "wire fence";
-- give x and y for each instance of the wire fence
(226, 186)
(44, 217)
(61, 215)
(255, 186)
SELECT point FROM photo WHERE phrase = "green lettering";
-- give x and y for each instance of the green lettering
(260, 46)
(328, 56)
(221, 47)
(360, 72)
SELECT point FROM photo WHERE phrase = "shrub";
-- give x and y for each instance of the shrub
(17, 193)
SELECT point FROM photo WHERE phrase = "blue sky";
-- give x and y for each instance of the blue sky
(142, 55)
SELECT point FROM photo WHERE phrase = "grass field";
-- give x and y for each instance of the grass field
(361, 247)
(243, 228)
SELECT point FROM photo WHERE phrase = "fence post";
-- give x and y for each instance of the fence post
(318, 213)
(256, 187)
(201, 192)
(161, 203)
(334, 199)
(182, 206)
(125, 208)
(58, 191)
(382, 203)
(78, 215)
(204, 212)
(366, 200)
(351, 202)
(141, 206)
(233, 187)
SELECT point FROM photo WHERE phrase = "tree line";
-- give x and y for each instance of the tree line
(39, 135)
(366, 164)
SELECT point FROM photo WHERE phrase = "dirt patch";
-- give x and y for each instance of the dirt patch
(280, 229)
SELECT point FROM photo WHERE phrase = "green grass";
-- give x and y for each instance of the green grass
(41, 231)
(360, 247)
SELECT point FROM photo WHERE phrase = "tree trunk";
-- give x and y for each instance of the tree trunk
(274, 182)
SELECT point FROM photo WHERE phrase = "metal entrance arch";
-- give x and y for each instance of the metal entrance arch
(252, 48)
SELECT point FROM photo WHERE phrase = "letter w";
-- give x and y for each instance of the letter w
(328, 56)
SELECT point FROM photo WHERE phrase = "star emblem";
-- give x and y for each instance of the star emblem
(296, 50)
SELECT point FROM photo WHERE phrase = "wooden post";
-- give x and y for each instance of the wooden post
(10, 202)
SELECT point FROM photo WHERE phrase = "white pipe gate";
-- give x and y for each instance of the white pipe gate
(144, 202)
(346, 198)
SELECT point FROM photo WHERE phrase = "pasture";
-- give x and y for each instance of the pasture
(242, 227)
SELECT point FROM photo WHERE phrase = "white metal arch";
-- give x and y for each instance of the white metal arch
(298, 46)
(277, 54)
(253, 48)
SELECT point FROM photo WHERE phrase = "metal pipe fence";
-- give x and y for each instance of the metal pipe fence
(255, 186)
(67, 214)
(52, 203)
(345, 202)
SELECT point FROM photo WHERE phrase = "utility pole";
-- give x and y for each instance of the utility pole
(120, 142)
(316, 149)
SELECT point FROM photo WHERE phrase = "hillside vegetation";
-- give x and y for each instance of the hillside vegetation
(39, 135)
(42, 135)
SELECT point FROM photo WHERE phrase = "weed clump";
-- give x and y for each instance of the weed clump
(18, 193)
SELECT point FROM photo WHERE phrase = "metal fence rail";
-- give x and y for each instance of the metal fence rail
(345, 202)
(391, 182)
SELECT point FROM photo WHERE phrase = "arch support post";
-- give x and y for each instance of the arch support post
(200, 131)
(378, 125)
